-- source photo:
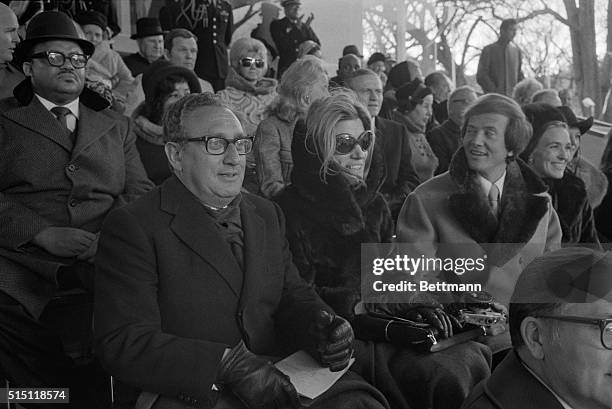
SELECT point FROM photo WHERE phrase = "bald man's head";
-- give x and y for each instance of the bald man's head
(8, 33)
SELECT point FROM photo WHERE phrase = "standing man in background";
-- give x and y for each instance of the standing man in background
(289, 32)
(211, 21)
(499, 68)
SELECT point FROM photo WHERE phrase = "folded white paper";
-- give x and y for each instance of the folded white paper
(307, 375)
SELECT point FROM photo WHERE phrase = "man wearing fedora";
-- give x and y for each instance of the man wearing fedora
(67, 161)
(150, 38)
(561, 329)
(289, 32)
(9, 74)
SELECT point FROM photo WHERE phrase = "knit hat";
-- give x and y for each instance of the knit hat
(92, 17)
(410, 94)
(568, 275)
(540, 116)
(573, 122)
(161, 69)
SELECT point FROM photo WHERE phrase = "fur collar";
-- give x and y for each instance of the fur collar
(335, 202)
(523, 204)
(24, 93)
(147, 130)
(262, 87)
(569, 197)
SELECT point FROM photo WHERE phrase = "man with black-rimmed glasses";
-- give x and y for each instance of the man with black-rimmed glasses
(66, 161)
(561, 328)
(196, 290)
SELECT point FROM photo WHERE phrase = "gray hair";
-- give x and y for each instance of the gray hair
(174, 117)
(245, 45)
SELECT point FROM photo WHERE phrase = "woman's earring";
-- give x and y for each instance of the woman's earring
(307, 99)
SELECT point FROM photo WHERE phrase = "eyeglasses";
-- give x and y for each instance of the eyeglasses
(604, 324)
(216, 145)
(57, 59)
(248, 62)
(345, 142)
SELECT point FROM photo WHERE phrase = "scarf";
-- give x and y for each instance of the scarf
(263, 86)
(228, 224)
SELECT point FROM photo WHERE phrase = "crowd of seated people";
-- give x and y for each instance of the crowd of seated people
(225, 229)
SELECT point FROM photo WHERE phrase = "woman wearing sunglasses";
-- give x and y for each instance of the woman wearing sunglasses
(332, 207)
(248, 92)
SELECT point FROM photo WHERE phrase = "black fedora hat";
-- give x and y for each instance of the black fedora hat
(48, 26)
(146, 27)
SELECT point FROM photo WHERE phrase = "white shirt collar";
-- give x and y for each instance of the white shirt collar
(486, 185)
(72, 106)
(535, 375)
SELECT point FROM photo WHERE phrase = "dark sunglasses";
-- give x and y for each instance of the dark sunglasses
(247, 62)
(345, 142)
(57, 59)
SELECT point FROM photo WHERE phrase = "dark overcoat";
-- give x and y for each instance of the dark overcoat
(47, 181)
(170, 296)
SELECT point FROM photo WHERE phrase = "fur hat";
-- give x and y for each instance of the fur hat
(161, 69)
(572, 121)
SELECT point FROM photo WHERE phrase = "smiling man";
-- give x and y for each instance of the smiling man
(488, 195)
(561, 326)
(197, 289)
(66, 161)
(9, 74)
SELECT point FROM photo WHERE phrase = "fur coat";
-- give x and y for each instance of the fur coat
(569, 198)
(449, 216)
(327, 222)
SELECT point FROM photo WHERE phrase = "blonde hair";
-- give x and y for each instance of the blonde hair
(323, 116)
(295, 86)
(245, 45)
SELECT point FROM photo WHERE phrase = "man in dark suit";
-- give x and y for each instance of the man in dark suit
(150, 38)
(445, 139)
(391, 136)
(195, 280)
(66, 161)
(212, 23)
(289, 32)
(561, 328)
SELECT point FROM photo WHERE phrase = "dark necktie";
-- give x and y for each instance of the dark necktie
(61, 113)
(494, 199)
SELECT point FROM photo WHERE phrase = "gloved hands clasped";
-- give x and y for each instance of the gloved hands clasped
(333, 340)
(256, 382)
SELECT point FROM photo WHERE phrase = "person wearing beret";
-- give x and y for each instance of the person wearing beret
(414, 110)
(67, 161)
(289, 32)
(549, 152)
(561, 329)
(150, 38)
(105, 65)
(211, 21)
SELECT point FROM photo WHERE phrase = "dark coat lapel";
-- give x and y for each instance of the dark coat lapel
(35, 117)
(523, 204)
(512, 387)
(254, 229)
(94, 126)
(203, 240)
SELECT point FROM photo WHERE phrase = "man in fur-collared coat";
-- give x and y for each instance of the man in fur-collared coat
(488, 196)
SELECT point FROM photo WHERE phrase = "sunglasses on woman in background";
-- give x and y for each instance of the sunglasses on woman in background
(247, 62)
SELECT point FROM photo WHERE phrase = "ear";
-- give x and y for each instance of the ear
(27, 68)
(532, 332)
(167, 54)
(174, 155)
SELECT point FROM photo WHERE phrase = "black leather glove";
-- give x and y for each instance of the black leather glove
(334, 338)
(255, 381)
(437, 317)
